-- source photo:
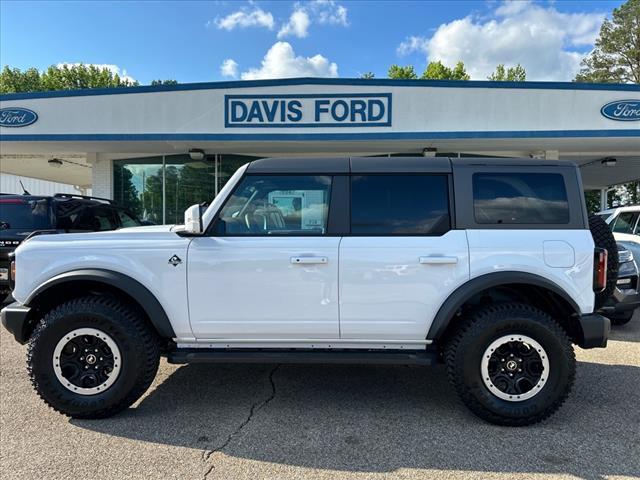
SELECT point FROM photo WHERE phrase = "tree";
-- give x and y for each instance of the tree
(398, 72)
(510, 74)
(438, 71)
(367, 75)
(63, 77)
(616, 56)
(163, 82)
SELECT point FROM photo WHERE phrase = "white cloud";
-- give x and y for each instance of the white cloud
(115, 69)
(298, 24)
(542, 39)
(323, 12)
(281, 62)
(229, 68)
(412, 44)
(245, 18)
(329, 12)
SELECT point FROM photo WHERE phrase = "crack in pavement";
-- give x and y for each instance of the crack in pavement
(256, 407)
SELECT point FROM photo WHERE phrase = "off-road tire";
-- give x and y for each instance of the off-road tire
(621, 318)
(603, 238)
(465, 350)
(138, 345)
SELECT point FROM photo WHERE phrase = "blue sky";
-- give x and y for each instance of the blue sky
(191, 41)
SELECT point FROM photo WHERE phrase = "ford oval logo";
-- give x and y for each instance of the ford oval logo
(622, 110)
(17, 117)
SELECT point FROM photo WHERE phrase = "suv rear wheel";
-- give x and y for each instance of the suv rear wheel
(92, 357)
(511, 364)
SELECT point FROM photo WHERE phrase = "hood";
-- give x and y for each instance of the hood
(111, 238)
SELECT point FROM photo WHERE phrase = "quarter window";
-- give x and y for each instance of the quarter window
(399, 205)
(277, 205)
(520, 198)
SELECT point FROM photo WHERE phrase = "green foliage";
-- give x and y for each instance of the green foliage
(439, 71)
(65, 77)
(164, 82)
(616, 57)
(434, 71)
(618, 196)
(509, 74)
(367, 75)
(398, 72)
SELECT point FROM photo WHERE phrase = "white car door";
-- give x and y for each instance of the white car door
(268, 269)
(401, 261)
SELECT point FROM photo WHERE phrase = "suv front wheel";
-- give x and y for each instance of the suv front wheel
(511, 364)
(92, 357)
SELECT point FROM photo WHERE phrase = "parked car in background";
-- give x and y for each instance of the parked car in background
(625, 225)
(21, 215)
(626, 296)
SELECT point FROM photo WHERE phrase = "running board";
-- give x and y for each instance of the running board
(388, 357)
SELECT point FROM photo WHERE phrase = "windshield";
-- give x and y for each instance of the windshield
(19, 214)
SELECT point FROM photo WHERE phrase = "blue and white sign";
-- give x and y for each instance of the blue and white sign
(308, 110)
(17, 117)
(622, 110)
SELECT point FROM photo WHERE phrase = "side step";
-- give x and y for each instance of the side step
(371, 357)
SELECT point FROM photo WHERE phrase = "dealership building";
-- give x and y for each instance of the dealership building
(160, 149)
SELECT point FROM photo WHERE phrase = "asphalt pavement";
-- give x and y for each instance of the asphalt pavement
(324, 421)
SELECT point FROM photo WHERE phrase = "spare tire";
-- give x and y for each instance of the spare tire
(603, 238)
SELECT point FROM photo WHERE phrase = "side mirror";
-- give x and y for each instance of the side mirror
(193, 220)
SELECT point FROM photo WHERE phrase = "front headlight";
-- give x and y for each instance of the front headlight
(625, 256)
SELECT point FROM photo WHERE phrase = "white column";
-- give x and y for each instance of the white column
(102, 175)
(603, 198)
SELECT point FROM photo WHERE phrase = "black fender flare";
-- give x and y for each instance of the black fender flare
(476, 285)
(129, 286)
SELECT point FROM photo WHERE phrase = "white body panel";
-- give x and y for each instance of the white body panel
(141, 253)
(392, 287)
(264, 287)
(524, 251)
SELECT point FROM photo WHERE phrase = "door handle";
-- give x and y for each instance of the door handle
(438, 260)
(308, 260)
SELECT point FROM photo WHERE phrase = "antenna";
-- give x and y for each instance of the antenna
(24, 190)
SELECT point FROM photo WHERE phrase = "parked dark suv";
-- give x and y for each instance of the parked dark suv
(20, 215)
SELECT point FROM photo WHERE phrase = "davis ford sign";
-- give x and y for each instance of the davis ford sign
(17, 117)
(622, 110)
(308, 110)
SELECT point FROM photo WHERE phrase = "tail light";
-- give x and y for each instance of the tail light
(600, 269)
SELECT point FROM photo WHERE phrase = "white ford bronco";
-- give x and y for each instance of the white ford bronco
(486, 265)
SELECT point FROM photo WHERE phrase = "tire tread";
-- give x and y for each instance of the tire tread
(477, 323)
(124, 314)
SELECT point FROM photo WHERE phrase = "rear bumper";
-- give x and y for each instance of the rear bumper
(14, 318)
(595, 330)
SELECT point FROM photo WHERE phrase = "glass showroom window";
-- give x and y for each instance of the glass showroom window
(159, 189)
(137, 185)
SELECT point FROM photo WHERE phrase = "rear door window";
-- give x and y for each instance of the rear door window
(96, 219)
(520, 198)
(399, 205)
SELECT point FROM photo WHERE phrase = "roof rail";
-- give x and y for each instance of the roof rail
(85, 197)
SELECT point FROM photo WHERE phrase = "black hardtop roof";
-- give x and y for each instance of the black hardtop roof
(418, 164)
